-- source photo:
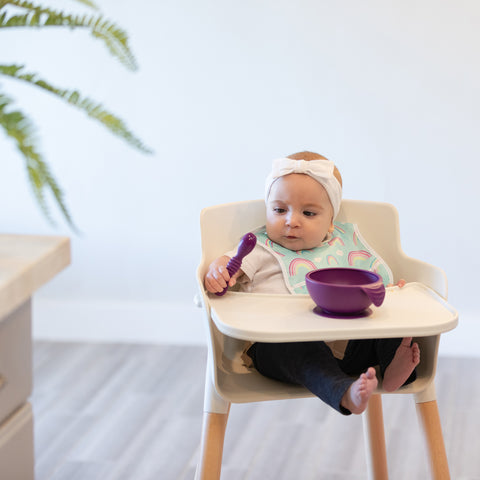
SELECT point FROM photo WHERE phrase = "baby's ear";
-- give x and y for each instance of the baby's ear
(331, 228)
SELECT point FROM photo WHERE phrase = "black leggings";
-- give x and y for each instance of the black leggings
(313, 365)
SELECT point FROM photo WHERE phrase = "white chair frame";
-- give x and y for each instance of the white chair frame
(221, 228)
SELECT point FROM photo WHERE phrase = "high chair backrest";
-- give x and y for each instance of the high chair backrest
(222, 226)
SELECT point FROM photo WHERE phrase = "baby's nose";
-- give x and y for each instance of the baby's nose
(292, 219)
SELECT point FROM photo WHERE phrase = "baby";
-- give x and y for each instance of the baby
(303, 196)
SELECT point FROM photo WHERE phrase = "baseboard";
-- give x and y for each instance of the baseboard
(130, 322)
(174, 323)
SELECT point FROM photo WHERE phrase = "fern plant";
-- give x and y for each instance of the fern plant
(17, 125)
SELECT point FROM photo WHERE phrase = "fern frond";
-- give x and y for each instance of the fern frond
(114, 38)
(19, 128)
(73, 97)
(88, 3)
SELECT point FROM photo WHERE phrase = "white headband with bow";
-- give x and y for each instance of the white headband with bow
(320, 170)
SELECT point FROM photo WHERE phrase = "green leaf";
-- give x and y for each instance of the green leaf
(16, 124)
(88, 3)
(19, 128)
(114, 38)
(91, 108)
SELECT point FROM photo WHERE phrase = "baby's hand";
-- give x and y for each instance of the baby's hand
(217, 277)
(401, 283)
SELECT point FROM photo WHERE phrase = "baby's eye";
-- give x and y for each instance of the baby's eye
(279, 210)
(308, 213)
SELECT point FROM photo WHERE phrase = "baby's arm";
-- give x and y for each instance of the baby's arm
(217, 276)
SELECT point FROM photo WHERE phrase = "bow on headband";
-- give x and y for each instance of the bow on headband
(320, 170)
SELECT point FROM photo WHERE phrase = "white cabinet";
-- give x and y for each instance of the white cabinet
(16, 445)
(15, 360)
(26, 263)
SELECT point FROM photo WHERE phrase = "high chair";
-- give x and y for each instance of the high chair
(228, 381)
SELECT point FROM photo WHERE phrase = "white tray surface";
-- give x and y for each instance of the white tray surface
(414, 310)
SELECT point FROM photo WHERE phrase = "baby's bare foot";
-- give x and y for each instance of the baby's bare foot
(406, 358)
(357, 396)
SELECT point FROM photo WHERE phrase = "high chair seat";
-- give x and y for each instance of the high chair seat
(419, 309)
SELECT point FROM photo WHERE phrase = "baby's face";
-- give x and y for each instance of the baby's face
(299, 212)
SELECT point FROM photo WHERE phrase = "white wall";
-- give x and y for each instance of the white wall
(388, 90)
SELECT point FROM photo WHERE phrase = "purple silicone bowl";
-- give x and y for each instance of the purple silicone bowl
(345, 291)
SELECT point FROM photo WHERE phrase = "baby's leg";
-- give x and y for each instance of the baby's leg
(310, 364)
(357, 396)
(406, 358)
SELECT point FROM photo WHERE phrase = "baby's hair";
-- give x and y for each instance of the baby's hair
(307, 156)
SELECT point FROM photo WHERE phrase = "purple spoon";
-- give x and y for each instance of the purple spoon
(247, 243)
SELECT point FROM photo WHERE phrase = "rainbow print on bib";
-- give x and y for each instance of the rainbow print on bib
(345, 248)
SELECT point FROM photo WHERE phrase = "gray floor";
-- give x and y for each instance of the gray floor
(118, 412)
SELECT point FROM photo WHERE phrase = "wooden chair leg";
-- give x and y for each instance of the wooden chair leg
(211, 450)
(375, 439)
(432, 429)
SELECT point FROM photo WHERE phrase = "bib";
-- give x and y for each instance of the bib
(346, 248)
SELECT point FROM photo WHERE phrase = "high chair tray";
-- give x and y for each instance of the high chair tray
(414, 311)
